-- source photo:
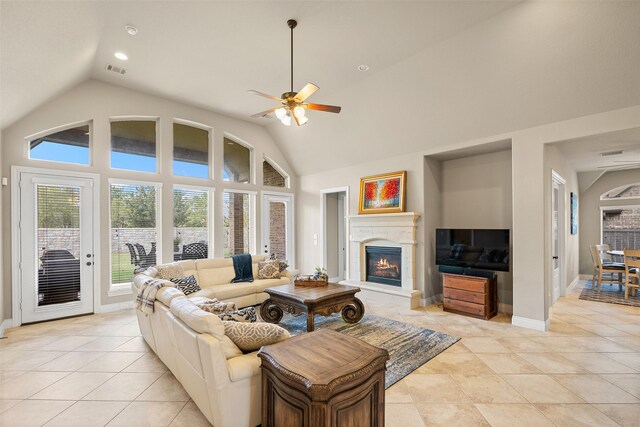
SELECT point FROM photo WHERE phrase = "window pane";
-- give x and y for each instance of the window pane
(58, 210)
(133, 145)
(237, 162)
(271, 177)
(236, 211)
(190, 151)
(190, 224)
(67, 146)
(278, 230)
(620, 228)
(133, 230)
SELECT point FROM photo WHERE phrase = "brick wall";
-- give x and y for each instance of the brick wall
(277, 230)
(270, 176)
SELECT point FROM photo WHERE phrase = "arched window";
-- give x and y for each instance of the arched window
(190, 151)
(629, 191)
(237, 162)
(69, 145)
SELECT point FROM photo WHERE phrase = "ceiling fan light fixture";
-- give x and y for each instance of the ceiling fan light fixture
(299, 112)
(286, 120)
(302, 120)
(281, 113)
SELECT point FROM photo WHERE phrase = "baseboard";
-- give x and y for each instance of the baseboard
(108, 308)
(434, 299)
(524, 322)
(505, 308)
(4, 325)
(575, 282)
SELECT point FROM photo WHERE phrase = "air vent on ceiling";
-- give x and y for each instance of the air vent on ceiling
(611, 153)
(115, 69)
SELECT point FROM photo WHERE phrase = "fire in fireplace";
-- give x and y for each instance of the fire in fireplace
(384, 265)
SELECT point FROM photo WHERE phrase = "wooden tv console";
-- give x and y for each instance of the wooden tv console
(470, 295)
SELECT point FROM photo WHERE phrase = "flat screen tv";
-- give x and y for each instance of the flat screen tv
(485, 249)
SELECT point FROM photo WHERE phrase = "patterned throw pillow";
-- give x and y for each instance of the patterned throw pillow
(282, 262)
(269, 269)
(169, 271)
(251, 336)
(247, 315)
(216, 307)
(187, 285)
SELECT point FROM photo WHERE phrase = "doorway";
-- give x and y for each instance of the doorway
(277, 226)
(55, 234)
(335, 211)
(558, 231)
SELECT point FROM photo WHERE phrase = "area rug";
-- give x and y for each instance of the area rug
(409, 346)
(610, 294)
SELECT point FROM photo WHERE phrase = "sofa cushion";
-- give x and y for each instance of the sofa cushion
(228, 292)
(269, 269)
(213, 305)
(252, 336)
(263, 284)
(167, 293)
(188, 284)
(243, 367)
(170, 271)
(213, 272)
(203, 322)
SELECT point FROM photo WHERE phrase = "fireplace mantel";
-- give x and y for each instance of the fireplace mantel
(394, 230)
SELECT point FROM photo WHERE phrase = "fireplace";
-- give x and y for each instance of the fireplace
(384, 265)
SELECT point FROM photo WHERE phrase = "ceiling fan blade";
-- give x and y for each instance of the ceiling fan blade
(296, 119)
(265, 95)
(322, 107)
(306, 92)
(265, 113)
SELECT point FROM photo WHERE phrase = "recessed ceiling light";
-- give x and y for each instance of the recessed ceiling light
(121, 56)
(131, 29)
(363, 67)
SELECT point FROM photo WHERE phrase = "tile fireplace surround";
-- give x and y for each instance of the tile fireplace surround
(391, 230)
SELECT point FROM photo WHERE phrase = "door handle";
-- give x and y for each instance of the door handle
(555, 257)
(89, 263)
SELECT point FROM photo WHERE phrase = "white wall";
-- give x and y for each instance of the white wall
(99, 101)
(2, 191)
(331, 233)
(476, 193)
(432, 219)
(589, 203)
(309, 204)
(556, 161)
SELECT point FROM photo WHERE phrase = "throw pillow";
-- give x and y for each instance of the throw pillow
(216, 307)
(251, 336)
(169, 271)
(187, 285)
(269, 269)
(282, 262)
(247, 315)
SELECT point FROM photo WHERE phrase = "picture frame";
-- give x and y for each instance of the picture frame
(384, 193)
(573, 203)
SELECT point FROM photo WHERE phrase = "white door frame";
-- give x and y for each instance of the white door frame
(323, 225)
(16, 276)
(562, 233)
(289, 199)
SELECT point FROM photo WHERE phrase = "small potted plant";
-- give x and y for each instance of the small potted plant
(176, 243)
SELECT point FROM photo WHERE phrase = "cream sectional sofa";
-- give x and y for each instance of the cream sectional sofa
(224, 383)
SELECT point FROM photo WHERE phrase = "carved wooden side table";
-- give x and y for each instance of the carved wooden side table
(323, 379)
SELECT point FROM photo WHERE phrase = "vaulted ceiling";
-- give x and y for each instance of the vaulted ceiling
(439, 71)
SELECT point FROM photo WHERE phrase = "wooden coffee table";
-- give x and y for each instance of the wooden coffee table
(323, 300)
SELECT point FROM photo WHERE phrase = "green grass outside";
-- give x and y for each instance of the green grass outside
(121, 268)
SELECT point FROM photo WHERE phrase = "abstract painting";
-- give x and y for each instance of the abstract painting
(383, 193)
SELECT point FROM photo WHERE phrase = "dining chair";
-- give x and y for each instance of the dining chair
(631, 271)
(603, 265)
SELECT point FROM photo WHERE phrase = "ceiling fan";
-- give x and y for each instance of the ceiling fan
(293, 104)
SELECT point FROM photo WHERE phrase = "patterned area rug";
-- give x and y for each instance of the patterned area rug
(609, 293)
(409, 346)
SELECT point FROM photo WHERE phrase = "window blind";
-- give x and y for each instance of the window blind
(190, 224)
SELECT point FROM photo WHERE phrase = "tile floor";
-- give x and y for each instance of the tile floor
(96, 370)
